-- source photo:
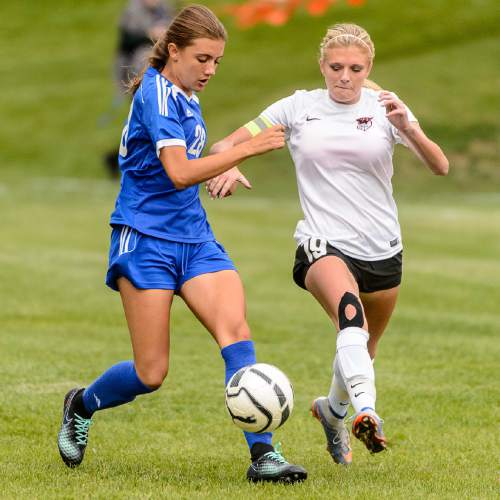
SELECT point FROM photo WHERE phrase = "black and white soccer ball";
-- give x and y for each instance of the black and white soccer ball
(259, 398)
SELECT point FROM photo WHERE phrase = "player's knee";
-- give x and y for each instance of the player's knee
(350, 311)
(152, 374)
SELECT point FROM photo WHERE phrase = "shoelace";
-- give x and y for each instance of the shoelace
(276, 455)
(82, 429)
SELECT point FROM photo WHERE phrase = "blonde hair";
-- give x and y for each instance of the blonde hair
(370, 84)
(345, 35)
(192, 22)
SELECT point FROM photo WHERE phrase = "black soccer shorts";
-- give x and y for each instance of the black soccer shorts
(371, 276)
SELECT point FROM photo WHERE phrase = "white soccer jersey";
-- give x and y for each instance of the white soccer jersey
(343, 160)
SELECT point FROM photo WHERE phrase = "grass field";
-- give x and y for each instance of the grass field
(437, 367)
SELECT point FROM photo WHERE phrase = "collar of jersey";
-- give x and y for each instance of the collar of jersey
(344, 107)
(175, 88)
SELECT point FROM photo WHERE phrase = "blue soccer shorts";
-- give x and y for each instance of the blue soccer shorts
(153, 263)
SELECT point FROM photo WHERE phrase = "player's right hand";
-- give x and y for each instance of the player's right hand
(225, 184)
(267, 140)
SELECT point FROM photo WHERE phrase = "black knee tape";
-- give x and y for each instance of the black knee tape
(358, 320)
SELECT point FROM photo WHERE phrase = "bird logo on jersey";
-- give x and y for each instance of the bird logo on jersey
(364, 123)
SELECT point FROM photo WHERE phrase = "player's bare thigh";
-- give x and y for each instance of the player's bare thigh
(148, 318)
(328, 279)
(218, 301)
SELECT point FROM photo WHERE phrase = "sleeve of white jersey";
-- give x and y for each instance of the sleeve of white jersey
(281, 112)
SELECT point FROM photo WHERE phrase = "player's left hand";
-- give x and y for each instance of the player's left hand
(395, 110)
(225, 184)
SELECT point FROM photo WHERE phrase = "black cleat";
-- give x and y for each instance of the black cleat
(274, 468)
(73, 435)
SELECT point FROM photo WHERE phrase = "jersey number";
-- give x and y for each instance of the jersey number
(124, 139)
(199, 141)
(314, 249)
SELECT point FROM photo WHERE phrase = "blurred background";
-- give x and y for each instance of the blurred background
(61, 116)
(440, 56)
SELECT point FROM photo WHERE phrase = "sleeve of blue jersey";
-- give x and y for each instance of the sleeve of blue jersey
(160, 114)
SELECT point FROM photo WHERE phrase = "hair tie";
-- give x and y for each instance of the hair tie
(353, 36)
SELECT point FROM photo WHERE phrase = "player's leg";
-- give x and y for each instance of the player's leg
(331, 282)
(378, 307)
(332, 410)
(217, 300)
(147, 313)
(148, 316)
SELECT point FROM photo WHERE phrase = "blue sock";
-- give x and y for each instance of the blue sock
(116, 386)
(237, 356)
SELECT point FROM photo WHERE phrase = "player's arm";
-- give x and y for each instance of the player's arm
(225, 184)
(425, 149)
(184, 172)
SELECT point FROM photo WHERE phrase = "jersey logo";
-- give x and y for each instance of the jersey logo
(189, 113)
(364, 123)
(311, 118)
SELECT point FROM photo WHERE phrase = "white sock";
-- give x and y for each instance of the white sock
(338, 396)
(356, 368)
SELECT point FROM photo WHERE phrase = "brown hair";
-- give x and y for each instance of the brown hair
(192, 22)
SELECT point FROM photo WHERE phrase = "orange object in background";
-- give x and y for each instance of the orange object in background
(277, 12)
(318, 7)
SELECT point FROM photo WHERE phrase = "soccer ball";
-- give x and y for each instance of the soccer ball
(259, 398)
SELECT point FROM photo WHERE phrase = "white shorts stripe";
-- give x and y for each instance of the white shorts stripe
(127, 241)
(123, 237)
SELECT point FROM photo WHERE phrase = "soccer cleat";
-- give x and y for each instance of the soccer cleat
(367, 427)
(73, 435)
(273, 467)
(337, 436)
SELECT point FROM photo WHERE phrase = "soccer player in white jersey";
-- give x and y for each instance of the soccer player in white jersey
(349, 254)
(162, 243)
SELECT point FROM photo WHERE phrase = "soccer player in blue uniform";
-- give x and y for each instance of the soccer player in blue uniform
(161, 242)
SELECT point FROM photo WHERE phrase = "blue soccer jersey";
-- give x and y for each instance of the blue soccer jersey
(161, 115)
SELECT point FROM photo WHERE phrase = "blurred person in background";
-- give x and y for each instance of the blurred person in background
(141, 24)
(162, 243)
(349, 247)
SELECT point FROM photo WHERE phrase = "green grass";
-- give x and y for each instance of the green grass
(437, 368)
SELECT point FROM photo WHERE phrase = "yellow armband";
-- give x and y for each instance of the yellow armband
(258, 125)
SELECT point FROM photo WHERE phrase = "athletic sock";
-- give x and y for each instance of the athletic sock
(338, 397)
(356, 368)
(78, 405)
(118, 385)
(259, 449)
(237, 356)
